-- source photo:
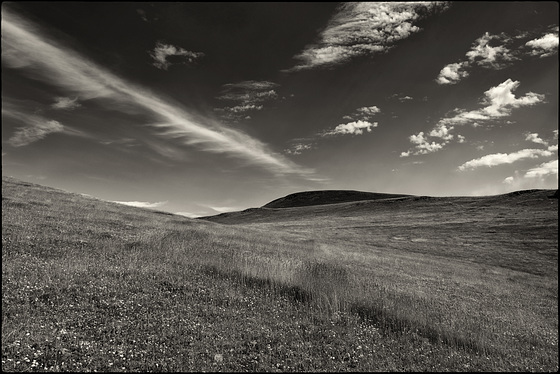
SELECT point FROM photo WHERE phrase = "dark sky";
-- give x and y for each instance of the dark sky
(201, 108)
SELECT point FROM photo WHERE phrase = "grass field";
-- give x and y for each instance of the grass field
(403, 284)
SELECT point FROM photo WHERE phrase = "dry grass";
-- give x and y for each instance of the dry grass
(90, 285)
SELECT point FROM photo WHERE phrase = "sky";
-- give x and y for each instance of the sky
(204, 108)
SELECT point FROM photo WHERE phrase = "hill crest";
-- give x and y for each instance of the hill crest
(324, 197)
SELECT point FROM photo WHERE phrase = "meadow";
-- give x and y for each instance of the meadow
(398, 284)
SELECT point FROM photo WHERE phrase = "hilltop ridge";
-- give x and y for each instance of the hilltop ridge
(324, 197)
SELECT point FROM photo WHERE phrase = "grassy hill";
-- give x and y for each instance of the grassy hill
(326, 197)
(415, 284)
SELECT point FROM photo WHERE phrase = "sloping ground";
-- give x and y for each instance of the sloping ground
(97, 286)
(308, 198)
(515, 231)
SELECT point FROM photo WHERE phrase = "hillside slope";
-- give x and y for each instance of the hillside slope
(403, 284)
(517, 230)
(308, 198)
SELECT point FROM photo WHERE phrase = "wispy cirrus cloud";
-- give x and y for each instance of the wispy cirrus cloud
(498, 102)
(25, 46)
(505, 158)
(364, 28)
(248, 95)
(162, 52)
(66, 103)
(142, 204)
(35, 126)
(36, 129)
(496, 52)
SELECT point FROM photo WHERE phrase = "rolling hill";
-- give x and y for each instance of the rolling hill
(407, 283)
(326, 197)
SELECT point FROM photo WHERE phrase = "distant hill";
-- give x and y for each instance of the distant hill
(309, 198)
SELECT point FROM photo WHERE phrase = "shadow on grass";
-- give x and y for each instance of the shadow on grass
(310, 296)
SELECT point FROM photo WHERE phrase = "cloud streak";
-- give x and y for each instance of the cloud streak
(66, 103)
(364, 28)
(249, 96)
(504, 158)
(142, 204)
(24, 46)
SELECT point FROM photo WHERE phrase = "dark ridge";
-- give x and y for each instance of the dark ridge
(309, 198)
(554, 196)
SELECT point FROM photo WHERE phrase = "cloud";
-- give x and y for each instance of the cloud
(355, 128)
(368, 111)
(422, 145)
(442, 132)
(188, 214)
(452, 73)
(162, 52)
(544, 46)
(544, 169)
(504, 158)
(500, 99)
(37, 130)
(498, 102)
(485, 55)
(298, 148)
(249, 95)
(142, 204)
(507, 50)
(142, 14)
(544, 175)
(36, 127)
(66, 103)
(364, 28)
(24, 46)
(534, 137)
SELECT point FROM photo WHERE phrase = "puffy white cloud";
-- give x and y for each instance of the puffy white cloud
(544, 169)
(504, 158)
(544, 46)
(500, 99)
(534, 137)
(364, 28)
(442, 131)
(422, 145)
(485, 55)
(356, 128)
(452, 73)
(368, 111)
(66, 103)
(499, 51)
(162, 51)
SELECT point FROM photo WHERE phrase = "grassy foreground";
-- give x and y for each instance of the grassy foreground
(90, 285)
